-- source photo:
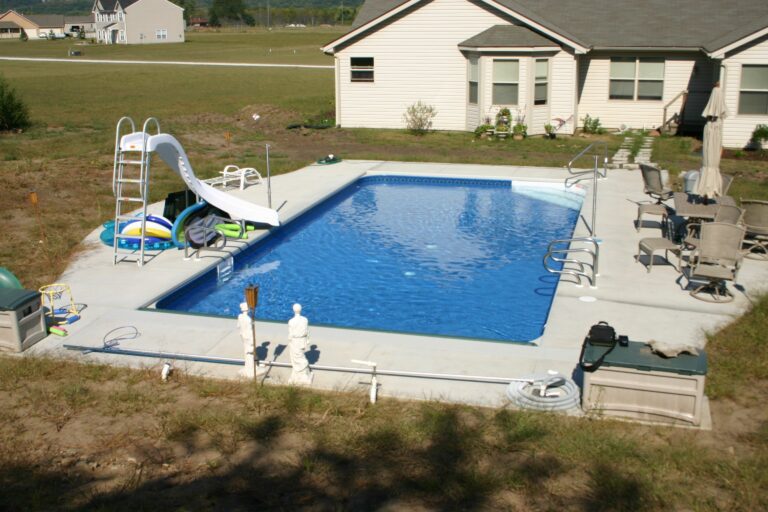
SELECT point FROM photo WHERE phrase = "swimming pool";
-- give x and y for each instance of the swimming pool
(435, 256)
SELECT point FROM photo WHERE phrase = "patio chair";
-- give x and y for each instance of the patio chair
(725, 213)
(654, 186)
(716, 260)
(243, 177)
(756, 219)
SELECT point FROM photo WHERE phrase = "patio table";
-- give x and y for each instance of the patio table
(686, 205)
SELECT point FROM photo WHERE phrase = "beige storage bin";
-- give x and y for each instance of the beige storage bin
(22, 323)
(637, 384)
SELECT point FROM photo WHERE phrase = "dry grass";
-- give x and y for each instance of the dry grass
(100, 438)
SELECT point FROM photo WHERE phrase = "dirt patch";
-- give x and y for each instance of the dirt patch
(746, 154)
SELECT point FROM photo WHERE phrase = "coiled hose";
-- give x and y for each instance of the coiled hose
(559, 393)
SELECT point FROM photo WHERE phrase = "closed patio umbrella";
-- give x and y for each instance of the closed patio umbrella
(710, 182)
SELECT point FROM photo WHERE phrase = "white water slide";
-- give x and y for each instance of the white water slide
(171, 152)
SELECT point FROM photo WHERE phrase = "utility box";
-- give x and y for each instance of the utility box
(635, 383)
(22, 319)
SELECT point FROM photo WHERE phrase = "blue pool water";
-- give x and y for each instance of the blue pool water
(420, 255)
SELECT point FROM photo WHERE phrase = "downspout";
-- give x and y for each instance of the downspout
(337, 86)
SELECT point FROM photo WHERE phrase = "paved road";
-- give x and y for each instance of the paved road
(166, 63)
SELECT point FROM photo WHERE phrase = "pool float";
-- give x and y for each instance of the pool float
(330, 159)
(177, 231)
(234, 230)
(107, 237)
(152, 229)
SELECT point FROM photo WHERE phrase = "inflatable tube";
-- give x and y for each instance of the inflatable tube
(177, 231)
(199, 235)
(107, 237)
(159, 219)
(8, 280)
(152, 229)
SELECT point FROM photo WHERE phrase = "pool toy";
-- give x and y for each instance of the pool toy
(234, 230)
(329, 159)
(151, 243)
(58, 291)
(8, 280)
(152, 229)
(58, 331)
(177, 231)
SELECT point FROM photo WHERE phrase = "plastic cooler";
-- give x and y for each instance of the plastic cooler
(22, 323)
(635, 383)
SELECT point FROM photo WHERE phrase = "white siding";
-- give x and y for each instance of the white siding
(594, 76)
(144, 18)
(737, 129)
(562, 93)
(416, 58)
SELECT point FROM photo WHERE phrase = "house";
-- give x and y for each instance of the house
(138, 21)
(36, 26)
(635, 64)
(9, 30)
(73, 25)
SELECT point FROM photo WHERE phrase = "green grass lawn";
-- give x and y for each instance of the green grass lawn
(279, 46)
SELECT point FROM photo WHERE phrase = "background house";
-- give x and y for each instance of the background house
(643, 64)
(9, 30)
(138, 21)
(74, 24)
(37, 26)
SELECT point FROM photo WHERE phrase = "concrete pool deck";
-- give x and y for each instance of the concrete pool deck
(642, 305)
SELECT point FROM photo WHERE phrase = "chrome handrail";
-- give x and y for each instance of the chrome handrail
(581, 272)
(585, 151)
(117, 149)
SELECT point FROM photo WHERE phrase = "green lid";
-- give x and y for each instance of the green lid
(638, 355)
(11, 298)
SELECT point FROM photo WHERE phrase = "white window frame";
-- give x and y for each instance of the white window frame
(473, 64)
(636, 79)
(500, 82)
(742, 90)
(161, 34)
(537, 81)
(120, 16)
(122, 35)
(362, 69)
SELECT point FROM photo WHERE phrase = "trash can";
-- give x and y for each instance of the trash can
(690, 179)
(22, 322)
(634, 382)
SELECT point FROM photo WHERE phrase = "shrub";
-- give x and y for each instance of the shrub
(520, 129)
(13, 112)
(482, 129)
(592, 125)
(23, 35)
(759, 135)
(418, 117)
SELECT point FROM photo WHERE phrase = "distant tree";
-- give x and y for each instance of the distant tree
(213, 18)
(13, 112)
(23, 35)
(232, 11)
(189, 6)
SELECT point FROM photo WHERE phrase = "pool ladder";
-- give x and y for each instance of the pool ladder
(130, 185)
(564, 251)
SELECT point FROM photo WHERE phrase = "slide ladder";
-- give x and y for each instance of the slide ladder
(130, 185)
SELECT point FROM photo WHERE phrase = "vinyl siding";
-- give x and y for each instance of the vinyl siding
(30, 28)
(415, 58)
(145, 17)
(737, 129)
(594, 76)
(562, 90)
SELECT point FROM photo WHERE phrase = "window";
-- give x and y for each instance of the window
(541, 82)
(161, 34)
(362, 69)
(473, 80)
(753, 95)
(122, 35)
(506, 74)
(636, 79)
(120, 16)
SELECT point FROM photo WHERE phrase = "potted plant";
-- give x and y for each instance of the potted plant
(519, 131)
(502, 122)
(550, 131)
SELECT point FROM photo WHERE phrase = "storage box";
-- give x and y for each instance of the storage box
(22, 322)
(635, 383)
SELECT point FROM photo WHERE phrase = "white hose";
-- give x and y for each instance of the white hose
(560, 393)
